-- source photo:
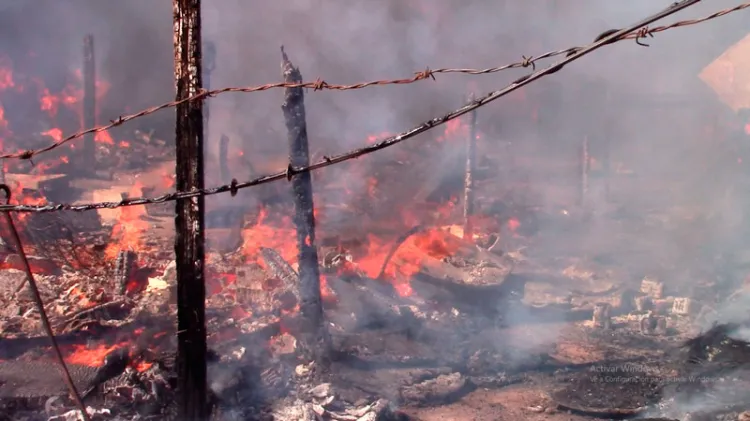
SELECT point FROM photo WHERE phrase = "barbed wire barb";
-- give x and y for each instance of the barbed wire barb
(327, 161)
(320, 84)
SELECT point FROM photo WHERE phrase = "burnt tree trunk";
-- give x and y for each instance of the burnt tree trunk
(314, 343)
(89, 104)
(471, 152)
(189, 220)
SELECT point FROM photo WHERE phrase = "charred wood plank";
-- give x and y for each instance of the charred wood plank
(315, 342)
(192, 402)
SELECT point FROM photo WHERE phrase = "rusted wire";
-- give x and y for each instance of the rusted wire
(234, 186)
(40, 307)
(320, 84)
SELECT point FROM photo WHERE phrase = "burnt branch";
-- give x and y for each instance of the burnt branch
(636, 31)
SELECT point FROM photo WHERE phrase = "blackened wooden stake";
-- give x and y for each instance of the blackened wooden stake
(189, 222)
(313, 342)
(89, 102)
(471, 157)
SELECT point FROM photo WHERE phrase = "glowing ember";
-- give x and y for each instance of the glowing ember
(104, 137)
(56, 134)
(92, 357)
(513, 224)
(280, 237)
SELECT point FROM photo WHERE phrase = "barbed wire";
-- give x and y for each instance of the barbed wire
(606, 38)
(320, 84)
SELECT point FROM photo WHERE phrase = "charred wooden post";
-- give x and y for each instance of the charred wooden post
(471, 158)
(315, 342)
(192, 402)
(585, 168)
(89, 102)
(224, 158)
(124, 267)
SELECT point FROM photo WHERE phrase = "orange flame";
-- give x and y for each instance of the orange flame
(127, 232)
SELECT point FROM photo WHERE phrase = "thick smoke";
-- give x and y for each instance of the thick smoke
(656, 113)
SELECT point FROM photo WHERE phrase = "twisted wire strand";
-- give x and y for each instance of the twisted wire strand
(320, 84)
(606, 38)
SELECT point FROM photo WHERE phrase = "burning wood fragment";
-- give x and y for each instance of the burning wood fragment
(89, 102)
(124, 268)
(315, 342)
(399, 241)
(289, 293)
(471, 151)
(189, 222)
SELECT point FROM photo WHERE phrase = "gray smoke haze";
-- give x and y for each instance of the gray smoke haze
(655, 117)
(656, 114)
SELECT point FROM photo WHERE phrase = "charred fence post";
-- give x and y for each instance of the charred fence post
(89, 102)
(314, 342)
(224, 158)
(471, 152)
(189, 247)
